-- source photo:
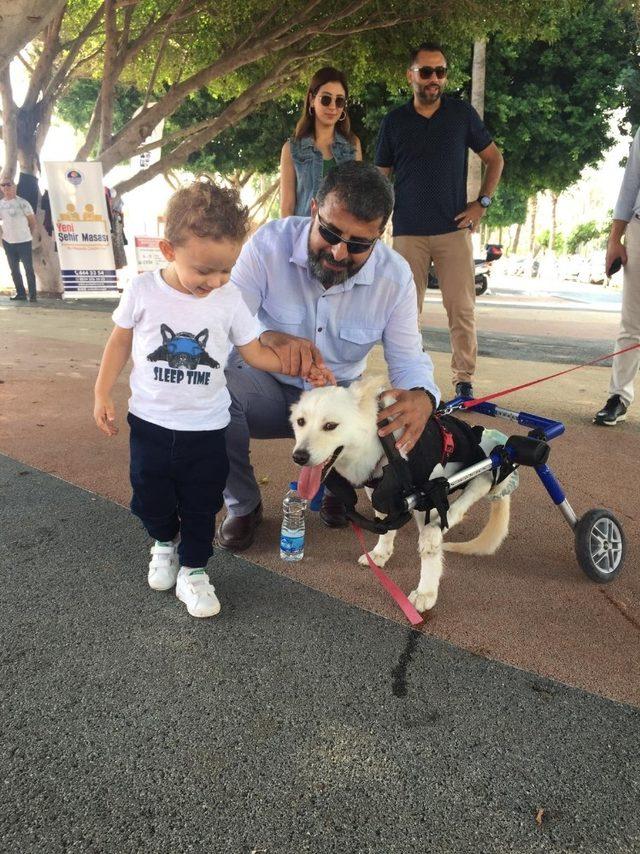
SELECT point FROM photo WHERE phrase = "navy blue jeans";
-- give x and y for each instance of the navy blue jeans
(177, 478)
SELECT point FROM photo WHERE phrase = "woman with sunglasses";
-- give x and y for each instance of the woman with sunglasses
(322, 139)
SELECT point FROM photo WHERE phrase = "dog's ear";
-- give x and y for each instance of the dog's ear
(368, 389)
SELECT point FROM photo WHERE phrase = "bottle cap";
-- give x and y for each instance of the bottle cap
(293, 485)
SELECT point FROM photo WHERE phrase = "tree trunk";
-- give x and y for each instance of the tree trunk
(474, 176)
(46, 263)
(107, 93)
(533, 209)
(516, 239)
(21, 21)
(553, 229)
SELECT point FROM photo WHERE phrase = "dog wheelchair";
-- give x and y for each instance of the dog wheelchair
(599, 538)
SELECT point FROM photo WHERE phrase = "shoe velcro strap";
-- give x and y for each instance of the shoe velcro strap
(163, 550)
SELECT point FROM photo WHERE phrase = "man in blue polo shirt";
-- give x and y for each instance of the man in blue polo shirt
(425, 144)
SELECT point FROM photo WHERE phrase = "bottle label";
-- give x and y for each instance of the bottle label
(291, 544)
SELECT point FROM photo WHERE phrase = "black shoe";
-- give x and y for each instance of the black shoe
(333, 512)
(18, 298)
(33, 299)
(613, 411)
(237, 533)
(464, 390)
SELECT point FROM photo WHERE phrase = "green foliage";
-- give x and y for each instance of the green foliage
(76, 106)
(584, 233)
(559, 243)
(509, 206)
(549, 103)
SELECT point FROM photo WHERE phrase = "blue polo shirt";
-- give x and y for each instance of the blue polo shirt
(429, 162)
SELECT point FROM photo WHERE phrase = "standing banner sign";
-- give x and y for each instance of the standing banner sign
(148, 254)
(82, 228)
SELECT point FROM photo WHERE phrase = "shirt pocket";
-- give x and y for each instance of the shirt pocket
(356, 341)
(283, 315)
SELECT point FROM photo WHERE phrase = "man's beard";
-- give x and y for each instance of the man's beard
(428, 97)
(324, 275)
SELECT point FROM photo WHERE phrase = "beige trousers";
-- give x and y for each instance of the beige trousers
(625, 366)
(452, 255)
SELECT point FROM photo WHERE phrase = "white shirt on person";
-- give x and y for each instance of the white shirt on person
(14, 213)
(180, 348)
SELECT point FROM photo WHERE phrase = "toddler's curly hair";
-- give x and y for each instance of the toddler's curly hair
(205, 210)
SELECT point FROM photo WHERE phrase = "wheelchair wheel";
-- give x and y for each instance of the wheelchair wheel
(600, 545)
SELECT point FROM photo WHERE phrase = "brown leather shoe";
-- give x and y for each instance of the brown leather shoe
(237, 533)
(332, 512)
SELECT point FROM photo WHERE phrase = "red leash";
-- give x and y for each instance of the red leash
(391, 587)
(476, 400)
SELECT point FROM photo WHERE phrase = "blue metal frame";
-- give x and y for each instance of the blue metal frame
(542, 428)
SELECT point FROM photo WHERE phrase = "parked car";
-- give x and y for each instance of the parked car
(482, 265)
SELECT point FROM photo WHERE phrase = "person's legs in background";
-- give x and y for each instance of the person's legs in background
(625, 366)
(13, 259)
(25, 254)
(415, 249)
(453, 260)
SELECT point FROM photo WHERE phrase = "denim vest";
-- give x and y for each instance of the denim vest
(307, 160)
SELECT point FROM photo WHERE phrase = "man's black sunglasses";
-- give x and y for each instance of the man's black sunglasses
(7, 184)
(426, 71)
(354, 247)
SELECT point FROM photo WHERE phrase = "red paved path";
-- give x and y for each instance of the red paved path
(530, 605)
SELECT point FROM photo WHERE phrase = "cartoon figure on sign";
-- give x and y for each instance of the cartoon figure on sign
(183, 350)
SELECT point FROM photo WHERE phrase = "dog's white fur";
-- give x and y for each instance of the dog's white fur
(353, 411)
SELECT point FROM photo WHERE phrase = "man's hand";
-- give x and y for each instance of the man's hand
(296, 354)
(615, 249)
(319, 377)
(411, 411)
(470, 216)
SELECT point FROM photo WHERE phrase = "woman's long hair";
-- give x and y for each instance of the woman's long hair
(306, 122)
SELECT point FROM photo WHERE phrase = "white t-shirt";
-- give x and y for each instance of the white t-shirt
(180, 348)
(14, 213)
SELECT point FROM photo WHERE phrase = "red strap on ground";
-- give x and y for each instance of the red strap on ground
(476, 400)
(407, 608)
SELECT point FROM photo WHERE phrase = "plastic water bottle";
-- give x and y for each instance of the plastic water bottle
(292, 533)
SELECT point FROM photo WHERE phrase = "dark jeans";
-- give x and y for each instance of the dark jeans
(178, 477)
(16, 253)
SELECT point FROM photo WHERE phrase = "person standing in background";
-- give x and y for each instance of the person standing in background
(18, 229)
(425, 144)
(322, 139)
(626, 223)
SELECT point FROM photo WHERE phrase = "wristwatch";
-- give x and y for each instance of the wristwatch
(485, 201)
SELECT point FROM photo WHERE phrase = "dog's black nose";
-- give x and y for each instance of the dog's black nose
(301, 457)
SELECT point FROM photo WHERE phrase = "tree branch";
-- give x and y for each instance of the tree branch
(10, 124)
(42, 70)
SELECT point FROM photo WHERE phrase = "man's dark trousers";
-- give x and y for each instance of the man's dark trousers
(17, 253)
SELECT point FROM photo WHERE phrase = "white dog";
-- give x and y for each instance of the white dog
(336, 428)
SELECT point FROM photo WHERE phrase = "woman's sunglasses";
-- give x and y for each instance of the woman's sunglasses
(426, 71)
(327, 100)
(354, 247)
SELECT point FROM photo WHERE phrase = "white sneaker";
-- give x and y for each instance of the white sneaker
(164, 565)
(196, 591)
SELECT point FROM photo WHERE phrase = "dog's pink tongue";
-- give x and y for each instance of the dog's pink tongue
(309, 481)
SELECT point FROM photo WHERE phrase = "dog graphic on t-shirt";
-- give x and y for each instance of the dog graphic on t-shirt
(183, 350)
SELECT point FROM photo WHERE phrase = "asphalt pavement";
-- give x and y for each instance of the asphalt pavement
(292, 723)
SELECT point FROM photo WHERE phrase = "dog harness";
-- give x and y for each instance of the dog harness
(445, 439)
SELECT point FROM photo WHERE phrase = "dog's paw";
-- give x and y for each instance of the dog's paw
(423, 601)
(379, 557)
